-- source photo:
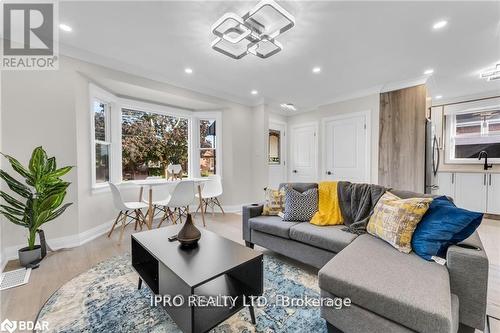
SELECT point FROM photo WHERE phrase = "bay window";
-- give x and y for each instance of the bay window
(208, 147)
(134, 140)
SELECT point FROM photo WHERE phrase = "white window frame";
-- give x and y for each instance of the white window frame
(98, 94)
(214, 115)
(450, 145)
(158, 109)
(114, 119)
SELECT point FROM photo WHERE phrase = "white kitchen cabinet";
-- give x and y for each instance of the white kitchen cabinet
(471, 191)
(446, 183)
(493, 206)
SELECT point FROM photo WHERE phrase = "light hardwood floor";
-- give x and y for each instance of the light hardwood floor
(24, 302)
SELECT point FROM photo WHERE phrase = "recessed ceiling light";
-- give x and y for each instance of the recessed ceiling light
(188, 70)
(429, 72)
(288, 106)
(254, 92)
(316, 70)
(438, 96)
(439, 24)
(65, 27)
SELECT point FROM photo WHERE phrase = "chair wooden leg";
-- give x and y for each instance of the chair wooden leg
(124, 223)
(136, 220)
(164, 217)
(114, 224)
(143, 219)
(212, 203)
(220, 206)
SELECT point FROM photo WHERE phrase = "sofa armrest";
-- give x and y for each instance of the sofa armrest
(249, 212)
(468, 269)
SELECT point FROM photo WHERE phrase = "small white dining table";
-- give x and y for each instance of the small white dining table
(150, 183)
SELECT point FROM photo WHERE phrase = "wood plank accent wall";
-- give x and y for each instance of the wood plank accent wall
(402, 139)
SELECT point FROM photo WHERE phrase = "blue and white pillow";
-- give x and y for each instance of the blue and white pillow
(300, 207)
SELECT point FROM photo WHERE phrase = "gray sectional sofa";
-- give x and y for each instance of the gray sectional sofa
(390, 291)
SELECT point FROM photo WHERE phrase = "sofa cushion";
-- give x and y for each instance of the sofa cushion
(330, 238)
(397, 286)
(300, 207)
(271, 225)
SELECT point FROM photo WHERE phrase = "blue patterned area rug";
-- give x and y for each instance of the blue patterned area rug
(106, 299)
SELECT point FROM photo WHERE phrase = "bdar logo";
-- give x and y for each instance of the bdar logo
(9, 326)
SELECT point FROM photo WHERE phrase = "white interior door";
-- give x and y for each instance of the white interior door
(346, 148)
(277, 154)
(304, 153)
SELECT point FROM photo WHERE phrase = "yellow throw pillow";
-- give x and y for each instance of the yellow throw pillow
(394, 219)
(275, 202)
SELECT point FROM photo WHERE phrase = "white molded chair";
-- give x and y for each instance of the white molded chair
(161, 197)
(129, 209)
(210, 192)
(182, 196)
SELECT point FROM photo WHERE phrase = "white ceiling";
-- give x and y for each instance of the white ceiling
(361, 47)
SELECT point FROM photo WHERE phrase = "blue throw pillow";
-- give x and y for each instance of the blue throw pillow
(443, 224)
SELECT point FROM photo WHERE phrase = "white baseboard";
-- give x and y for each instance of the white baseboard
(10, 252)
(234, 208)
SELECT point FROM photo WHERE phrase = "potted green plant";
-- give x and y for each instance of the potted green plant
(38, 200)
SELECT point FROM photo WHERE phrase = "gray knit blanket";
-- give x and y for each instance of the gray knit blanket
(356, 204)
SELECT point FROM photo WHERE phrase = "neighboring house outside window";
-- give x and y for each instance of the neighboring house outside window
(472, 132)
(208, 147)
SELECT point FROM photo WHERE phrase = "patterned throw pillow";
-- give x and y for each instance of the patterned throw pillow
(394, 219)
(300, 207)
(275, 202)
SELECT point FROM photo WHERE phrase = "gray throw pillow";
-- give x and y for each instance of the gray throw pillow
(300, 207)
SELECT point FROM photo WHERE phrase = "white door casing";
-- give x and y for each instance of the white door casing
(277, 172)
(303, 166)
(346, 147)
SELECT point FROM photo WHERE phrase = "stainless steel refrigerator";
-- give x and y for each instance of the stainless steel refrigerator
(432, 157)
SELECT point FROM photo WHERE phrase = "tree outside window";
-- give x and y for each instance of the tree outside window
(150, 142)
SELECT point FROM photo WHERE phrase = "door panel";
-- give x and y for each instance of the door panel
(470, 191)
(493, 193)
(346, 149)
(446, 183)
(304, 153)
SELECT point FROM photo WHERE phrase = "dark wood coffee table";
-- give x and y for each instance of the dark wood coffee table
(218, 266)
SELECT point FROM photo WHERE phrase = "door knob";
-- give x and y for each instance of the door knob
(328, 172)
(294, 171)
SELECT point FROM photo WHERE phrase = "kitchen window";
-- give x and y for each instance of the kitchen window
(472, 132)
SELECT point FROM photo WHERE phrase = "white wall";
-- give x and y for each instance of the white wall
(370, 102)
(51, 108)
(38, 110)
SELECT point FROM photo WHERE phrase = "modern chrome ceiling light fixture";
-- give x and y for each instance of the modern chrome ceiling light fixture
(492, 73)
(253, 33)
